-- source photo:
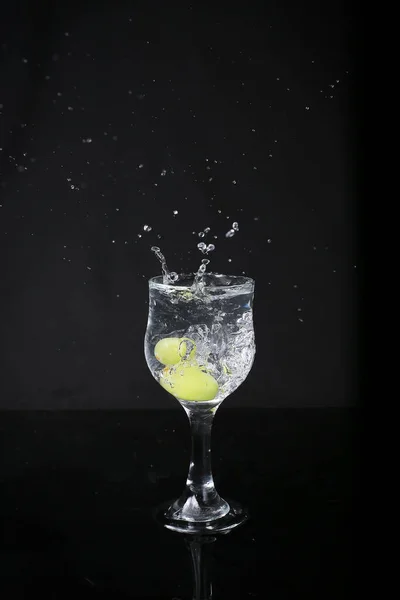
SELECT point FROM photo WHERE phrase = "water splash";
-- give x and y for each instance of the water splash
(199, 283)
(233, 230)
(168, 276)
(204, 248)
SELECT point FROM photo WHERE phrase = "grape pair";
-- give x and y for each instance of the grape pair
(182, 376)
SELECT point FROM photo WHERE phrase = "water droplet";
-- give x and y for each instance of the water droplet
(147, 227)
(201, 234)
(202, 247)
(70, 108)
(163, 172)
(175, 212)
(139, 235)
(207, 230)
(210, 247)
(307, 108)
(230, 233)
(141, 166)
(234, 182)
(235, 226)
(269, 240)
(229, 260)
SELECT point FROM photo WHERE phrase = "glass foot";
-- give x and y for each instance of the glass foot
(236, 516)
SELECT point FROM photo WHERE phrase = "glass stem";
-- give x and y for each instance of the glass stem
(200, 501)
(200, 479)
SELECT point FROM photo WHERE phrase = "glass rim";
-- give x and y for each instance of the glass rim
(157, 281)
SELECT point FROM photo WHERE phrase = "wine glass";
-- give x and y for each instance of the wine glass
(199, 346)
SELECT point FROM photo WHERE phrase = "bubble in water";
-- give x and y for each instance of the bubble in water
(235, 226)
(230, 233)
(173, 276)
(269, 240)
(163, 172)
(210, 247)
(207, 230)
(201, 234)
(147, 228)
(175, 212)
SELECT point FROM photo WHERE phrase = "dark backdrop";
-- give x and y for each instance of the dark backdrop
(115, 114)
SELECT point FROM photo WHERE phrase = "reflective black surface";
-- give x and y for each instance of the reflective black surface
(78, 489)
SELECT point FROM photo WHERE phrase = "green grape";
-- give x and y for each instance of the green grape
(169, 351)
(189, 382)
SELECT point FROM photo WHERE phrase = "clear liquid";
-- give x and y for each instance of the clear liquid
(218, 318)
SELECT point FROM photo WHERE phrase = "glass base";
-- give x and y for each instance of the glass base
(236, 516)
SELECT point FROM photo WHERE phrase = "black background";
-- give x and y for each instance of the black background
(260, 94)
(77, 491)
